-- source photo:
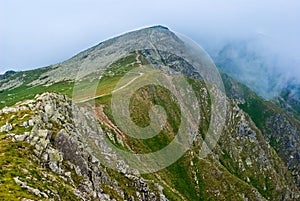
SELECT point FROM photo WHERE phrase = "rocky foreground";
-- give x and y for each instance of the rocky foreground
(242, 166)
(57, 145)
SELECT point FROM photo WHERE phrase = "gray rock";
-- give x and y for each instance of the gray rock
(7, 127)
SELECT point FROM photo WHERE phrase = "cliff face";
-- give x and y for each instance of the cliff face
(54, 149)
(279, 127)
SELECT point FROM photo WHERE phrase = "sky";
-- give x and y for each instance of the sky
(40, 33)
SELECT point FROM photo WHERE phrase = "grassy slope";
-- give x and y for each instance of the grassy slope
(258, 109)
(17, 160)
(26, 92)
(179, 176)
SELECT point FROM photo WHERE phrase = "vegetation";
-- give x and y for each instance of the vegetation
(189, 178)
(27, 92)
(17, 160)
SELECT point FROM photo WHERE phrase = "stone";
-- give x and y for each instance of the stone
(43, 133)
(31, 123)
(7, 127)
(49, 109)
(21, 137)
(248, 162)
(8, 110)
(25, 199)
(25, 123)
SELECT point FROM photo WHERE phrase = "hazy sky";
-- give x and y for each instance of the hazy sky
(39, 33)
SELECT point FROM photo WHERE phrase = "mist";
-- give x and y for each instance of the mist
(37, 34)
(259, 62)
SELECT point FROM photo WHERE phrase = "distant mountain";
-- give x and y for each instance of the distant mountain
(7, 73)
(250, 63)
(246, 62)
(289, 99)
(49, 137)
(255, 65)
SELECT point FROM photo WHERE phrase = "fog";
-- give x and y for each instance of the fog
(259, 62)
(40, 33)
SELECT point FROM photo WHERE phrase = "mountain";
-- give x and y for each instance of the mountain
(251, 63)
(7, 73)
(289, 99)
(54, 121)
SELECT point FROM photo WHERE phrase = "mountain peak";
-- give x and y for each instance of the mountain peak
(159, 27)
(7, 73)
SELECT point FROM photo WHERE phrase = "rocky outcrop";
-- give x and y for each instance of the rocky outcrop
(5, 128)
(11, 84)
(245, 153)
(288, 144)
(277, 126)
(7, 74)
(59, 146)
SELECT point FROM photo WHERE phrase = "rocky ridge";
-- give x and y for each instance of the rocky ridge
(59, 146)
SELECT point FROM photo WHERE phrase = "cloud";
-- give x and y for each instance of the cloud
(257, 63)
(35, 34)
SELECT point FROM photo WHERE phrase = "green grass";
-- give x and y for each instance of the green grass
(124, 183)
(109, 79)
(17, 160)
(258, 109)
(13, 160)
(25, 92)
(179, 176)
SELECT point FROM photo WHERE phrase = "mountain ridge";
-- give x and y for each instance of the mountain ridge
(251, 161)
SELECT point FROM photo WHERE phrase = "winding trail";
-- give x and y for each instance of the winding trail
(127, 84)
(101, 116)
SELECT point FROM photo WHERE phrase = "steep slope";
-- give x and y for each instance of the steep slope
(280, 129)
(242, 166)
(289, 99)
(252, 64)
(56, 156)
(253, 160)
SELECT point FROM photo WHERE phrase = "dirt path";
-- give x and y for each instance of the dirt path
(131, 81)
(137, 58)
(104, 119)
(101, 116)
